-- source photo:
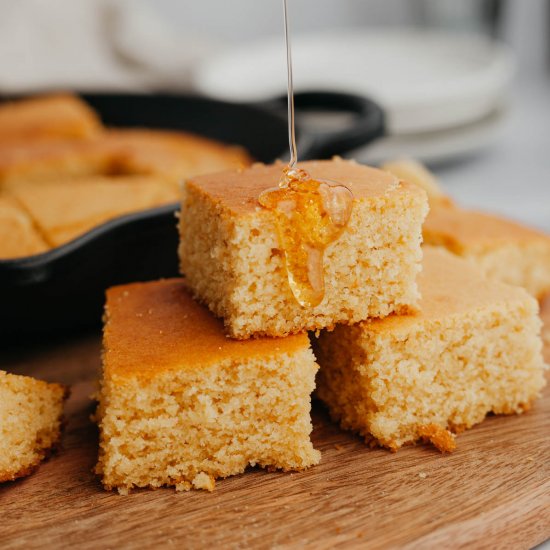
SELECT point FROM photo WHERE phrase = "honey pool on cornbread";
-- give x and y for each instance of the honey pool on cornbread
(309, 215)
(181, 404)
(232, 259)
(473, 348)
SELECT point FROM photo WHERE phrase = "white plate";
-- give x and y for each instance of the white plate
(435, 146)
(425, 80)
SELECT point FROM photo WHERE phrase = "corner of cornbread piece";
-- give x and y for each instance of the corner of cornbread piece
(473, 348)
(18, 236)
(414, 172)
(231, 256)
(31, 414)
(181, 404)
(504, 250)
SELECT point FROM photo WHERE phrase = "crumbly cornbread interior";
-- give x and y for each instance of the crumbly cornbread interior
(474, 347)
(30, 423)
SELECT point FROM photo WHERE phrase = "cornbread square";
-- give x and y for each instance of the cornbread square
(173, 155)
(473, 348)
(30, 423)
(504, 250)
(47, 117)
(180, 404)
(231, 256)
(23, 161)
(18, 236)
(65, 209)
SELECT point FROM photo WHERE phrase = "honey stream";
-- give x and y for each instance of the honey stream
(310, 214)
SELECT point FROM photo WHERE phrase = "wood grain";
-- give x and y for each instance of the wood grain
(494, 491)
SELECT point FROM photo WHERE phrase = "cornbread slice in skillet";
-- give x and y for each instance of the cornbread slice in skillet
(65, 209)
(18, 235)
(23, 161)
(46, 117)
(30, 423)
(181, 405)
(232, 259)
(473, 348)
(504, 250)
(173, 155)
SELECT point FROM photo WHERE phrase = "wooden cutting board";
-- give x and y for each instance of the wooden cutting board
(492, 492)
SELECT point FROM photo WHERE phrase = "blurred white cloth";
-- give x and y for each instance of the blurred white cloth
(92, 45)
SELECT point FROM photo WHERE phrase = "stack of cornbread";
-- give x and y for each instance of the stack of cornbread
(208, 374)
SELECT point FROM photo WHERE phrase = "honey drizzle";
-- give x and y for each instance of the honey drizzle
(310, 214)
(290, 95)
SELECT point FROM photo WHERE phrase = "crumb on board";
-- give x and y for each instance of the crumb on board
(439, 437)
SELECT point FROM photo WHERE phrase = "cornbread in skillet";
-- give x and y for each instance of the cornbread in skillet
(173, 155)
(181, 404)
(504, 250)
(65, 209)
(473, 348)
(46, 160)
(232, 259)
(46, 117)
(30, 423)
(18, 236)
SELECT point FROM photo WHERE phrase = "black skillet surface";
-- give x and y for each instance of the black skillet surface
(63, 289)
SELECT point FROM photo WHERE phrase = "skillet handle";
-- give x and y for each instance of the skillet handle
(367, 122)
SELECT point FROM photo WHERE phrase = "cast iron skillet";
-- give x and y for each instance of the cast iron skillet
(63, 289)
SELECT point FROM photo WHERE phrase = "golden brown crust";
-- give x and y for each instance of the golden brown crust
(21, 160)
(159, 326)
(67, 208)
(18, 235)
(47, 117)
(173, 154)
(238, 191)
(441, 271)
(460, 230)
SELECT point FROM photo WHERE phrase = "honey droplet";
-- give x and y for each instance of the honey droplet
(310, 214)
